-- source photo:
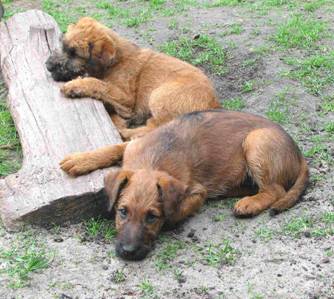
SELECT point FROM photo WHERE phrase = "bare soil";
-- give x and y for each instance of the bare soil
(281, 265)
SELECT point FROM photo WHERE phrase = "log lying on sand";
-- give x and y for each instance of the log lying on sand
(50, 127)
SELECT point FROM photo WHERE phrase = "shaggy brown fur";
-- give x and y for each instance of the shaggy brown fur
(168, 174)
(139, 84)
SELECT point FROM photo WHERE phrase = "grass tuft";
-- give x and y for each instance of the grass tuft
(146, 288)
(234, 104)
(315, 72)
(278, 110)
(10, 149)
(21, 259)
(100, 228)
(300, 32)
(216, 255)
(202, 51)
(167, 254)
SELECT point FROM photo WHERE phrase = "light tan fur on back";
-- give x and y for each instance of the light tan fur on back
(140, 84)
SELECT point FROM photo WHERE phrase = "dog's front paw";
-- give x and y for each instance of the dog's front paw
(73, 89)
(77, 164)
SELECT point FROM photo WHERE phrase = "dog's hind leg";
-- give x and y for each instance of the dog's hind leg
(273, 163)
(173, 99)
(254, 205)
(81, 163)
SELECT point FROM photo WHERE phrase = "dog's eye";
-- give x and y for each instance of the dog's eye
(123, 213)
(151, 218)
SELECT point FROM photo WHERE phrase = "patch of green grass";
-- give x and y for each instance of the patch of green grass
(216, 255)
(295, 227)
(234, 29)
(98, 227)
(146, 288)
(319, 150)
(10, 150)
(300, 32)
(234, 104)
(140, 18)
(9, 11)
(329, 252)
(8, 135)
(321, 227)
(167, 254)
(312, 6)
(112, 10)
(278, 109)
(252, 293)
(329, 127)
(203, 50)
(264, 233)
(327, 104)
(55, 9)
(314, 72)
(156, 4)
(220, 3)
(277, 3)
(328, 217)
(118, 276)
(219, 218)
(178, 274)
(248, 86)
(25, 256)
(173, 24)
(249, 62)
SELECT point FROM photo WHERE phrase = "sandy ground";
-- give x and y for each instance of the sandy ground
(270, 259)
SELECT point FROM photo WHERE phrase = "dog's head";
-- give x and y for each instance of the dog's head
(87, 48)
(144, 200)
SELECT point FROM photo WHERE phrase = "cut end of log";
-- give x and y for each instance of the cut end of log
(50, 127)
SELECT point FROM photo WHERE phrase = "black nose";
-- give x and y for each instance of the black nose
(129, 248)
(131, 251)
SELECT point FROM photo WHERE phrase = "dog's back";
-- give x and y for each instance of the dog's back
(208, 147)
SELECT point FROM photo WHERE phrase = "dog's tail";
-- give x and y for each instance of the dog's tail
(292, 196)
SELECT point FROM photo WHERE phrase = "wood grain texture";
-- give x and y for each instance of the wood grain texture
(50, 127)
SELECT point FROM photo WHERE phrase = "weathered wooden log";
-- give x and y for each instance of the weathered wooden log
(50, 127)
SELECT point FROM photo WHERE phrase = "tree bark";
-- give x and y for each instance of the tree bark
(50, 127)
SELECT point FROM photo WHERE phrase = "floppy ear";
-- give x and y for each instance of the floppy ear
(103, 51)
(171, 193)
(114, 182)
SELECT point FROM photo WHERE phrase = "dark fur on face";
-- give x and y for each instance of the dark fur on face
(87, 48)
(63, 67)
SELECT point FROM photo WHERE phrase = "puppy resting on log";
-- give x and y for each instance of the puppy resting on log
(139, 84)
(168, 174)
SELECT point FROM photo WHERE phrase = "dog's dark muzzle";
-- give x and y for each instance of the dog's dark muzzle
(63, 68)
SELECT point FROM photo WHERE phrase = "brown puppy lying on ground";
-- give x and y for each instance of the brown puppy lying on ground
(168, 174)
(139, 84)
